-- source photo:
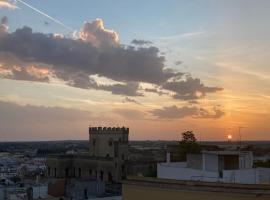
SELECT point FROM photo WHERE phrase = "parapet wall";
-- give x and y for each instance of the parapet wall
(108, 130)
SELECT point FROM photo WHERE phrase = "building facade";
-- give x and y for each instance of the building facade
(106, 160)
(215, 166)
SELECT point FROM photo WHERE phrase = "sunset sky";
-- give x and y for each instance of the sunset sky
(158, 67)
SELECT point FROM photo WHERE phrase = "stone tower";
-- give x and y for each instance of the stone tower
(108, 153)
(110, 143)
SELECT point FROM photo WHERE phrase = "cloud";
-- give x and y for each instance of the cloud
(189, 88)
(96, 52)
(95, 33)
(129, 89)
(188, 35)
(178, 62)
(155, 90)
(174, 112)
(215, 114)
(18, 70)
(3, 25)
(29, 122)
(30, 73)
(130, 113)
(4, 20)
(130, 100)
(141, 42)
(7, 4)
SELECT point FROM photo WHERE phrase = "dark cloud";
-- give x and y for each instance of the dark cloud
(155, 90)
(130, 100)
(141, 42)
(174, 112)
(69, 56)
(129, 89)
(189, 88)
(97, 52)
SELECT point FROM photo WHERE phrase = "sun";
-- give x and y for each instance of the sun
(229, 137)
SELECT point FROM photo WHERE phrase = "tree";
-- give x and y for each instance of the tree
(189, 136)
(188, 144)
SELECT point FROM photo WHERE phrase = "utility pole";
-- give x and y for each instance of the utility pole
(240, 135)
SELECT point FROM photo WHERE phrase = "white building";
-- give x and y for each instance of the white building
(215, 166)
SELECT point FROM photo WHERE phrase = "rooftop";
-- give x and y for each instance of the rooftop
(225, 152)
(78, 156)
(108, 129)
(199, 186)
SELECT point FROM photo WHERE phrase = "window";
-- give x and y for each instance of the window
(110, 142)
(66, 172)
(80, 172)
(85, 193)
(110, 179)
(101, 175)
(220, 173)
(90, 172)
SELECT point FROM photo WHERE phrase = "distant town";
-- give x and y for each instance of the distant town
(109, 166)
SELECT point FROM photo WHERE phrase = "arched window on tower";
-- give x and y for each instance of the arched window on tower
(80, 172)
(110, 178)
(90, 172)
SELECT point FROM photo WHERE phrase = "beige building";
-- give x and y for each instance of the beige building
(108, 153)
(135, 188)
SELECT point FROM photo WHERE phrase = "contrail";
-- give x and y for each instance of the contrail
(49, 17)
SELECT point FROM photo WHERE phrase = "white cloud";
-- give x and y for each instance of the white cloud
(187, 35)
(7, 4)
(95, 33)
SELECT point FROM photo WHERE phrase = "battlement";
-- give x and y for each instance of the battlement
(108, 130)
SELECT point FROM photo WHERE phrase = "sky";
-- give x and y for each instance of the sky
(157, 67)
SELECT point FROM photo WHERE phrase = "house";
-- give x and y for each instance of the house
(215, 166)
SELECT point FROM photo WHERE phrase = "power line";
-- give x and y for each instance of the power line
(48, 16)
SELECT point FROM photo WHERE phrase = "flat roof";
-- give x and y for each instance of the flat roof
(258, 189)
(226, 152)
